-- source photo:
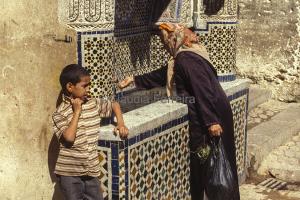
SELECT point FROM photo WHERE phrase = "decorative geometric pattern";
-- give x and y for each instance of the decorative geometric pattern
(159, 57)
(87, 14)
(232, 6)
(159, 167)
(121, 14)
(220, 42)
(132, 54)
(105, 58)
(97, 57)
(174, 138)
(171, 13)
(186, 13)
(133, 13)
(131, 49)
(105, 168)
(139, 54)
(122, 185)
(239, 107)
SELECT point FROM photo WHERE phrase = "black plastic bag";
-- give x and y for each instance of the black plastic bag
(212, 7)
(220, 183)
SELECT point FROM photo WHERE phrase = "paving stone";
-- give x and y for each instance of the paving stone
(296, 138)
(284, 162)
(290, 144)
(250, 121)
(262, 116)
(269, 113)
(259, 111)
(290, 154)
(253, 114)
(277, 152)
(253, 192)
(257, 120)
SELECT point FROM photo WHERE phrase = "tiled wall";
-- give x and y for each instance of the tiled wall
(155, 164)
(152, 165)
(107, 56)
(220, 41)
(239, 102)
(218, 34)
(130, 46)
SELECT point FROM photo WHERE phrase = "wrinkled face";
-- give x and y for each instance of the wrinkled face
(80, 89)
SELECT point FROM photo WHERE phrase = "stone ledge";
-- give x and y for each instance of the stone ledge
(158, 113)
(146, 118)
(235, 86)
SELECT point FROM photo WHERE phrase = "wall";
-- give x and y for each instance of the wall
(30, 63)
(121, 40)
(268, 46)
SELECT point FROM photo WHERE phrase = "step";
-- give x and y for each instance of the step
(258, 96)
(267, 136)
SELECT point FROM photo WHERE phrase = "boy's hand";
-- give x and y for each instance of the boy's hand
(76, 103)
(124, 83)
(122, 130)
(215, 130)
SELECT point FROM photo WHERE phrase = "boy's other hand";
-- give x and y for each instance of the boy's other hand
(124, 83)
(215, 130)
(122, 130)
(76, 103)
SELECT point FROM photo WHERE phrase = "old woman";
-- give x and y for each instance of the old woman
(195, 77)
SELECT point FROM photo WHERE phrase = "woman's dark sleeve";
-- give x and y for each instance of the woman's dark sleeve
(157, 78)
(198, 73)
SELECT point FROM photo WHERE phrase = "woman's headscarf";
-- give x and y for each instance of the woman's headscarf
(176, 39)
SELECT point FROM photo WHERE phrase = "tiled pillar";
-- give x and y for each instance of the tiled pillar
(218, 34)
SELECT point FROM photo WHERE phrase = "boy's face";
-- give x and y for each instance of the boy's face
(81, 89)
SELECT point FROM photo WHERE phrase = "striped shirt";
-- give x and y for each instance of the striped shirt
(81, 158)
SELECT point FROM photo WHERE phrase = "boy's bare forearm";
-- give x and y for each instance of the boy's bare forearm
(121, 128)
(117, 110)
(70, 133)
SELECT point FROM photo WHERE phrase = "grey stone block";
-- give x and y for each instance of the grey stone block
(258, 96)
(269, 135)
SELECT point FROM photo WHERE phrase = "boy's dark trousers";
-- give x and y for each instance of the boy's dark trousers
(80, 187)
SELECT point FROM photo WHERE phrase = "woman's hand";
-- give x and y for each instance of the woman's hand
(215, 130)
(124, 83)
(122, 130)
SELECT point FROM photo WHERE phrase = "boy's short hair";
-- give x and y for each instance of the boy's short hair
(71, 74)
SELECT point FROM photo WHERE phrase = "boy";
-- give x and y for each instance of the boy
(76, 125)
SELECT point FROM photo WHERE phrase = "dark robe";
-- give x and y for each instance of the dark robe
(195, 77)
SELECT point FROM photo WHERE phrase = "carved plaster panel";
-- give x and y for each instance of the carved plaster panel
(85, 15)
